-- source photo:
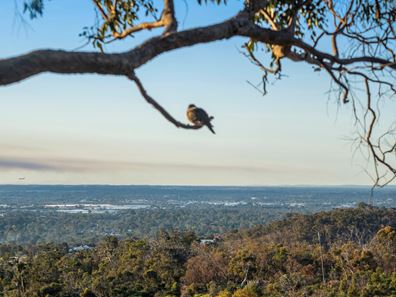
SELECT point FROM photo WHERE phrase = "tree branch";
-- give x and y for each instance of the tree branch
(137, 28)
(21, 67)
(157, 106)
(167, 20)
(378, 157)
(57, 61)
(169, 17)
(101, 10)
(347, 61)
(270, 20)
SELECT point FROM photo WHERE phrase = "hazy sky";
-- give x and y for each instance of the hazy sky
(97, 129)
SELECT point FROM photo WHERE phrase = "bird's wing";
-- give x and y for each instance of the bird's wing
(202, 116)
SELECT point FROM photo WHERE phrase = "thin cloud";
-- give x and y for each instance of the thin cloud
(9, 164)
(84, 165)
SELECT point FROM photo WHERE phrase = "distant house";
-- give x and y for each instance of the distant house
(79, 248)
(207, 241)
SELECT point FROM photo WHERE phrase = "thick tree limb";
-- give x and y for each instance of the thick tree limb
(58, 61)
(21, 67)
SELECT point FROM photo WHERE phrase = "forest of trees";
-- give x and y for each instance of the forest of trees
(51, 226)
(356, 256)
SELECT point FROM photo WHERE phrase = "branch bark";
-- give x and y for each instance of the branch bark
(67, 62)
(57, 61)
(169, 17)
(132, 76)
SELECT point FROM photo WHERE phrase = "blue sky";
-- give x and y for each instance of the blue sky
(83, 129)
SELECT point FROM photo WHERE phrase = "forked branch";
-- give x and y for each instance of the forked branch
(111, 16)
(379, 154)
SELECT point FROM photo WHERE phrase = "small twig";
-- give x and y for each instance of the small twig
(245, 278)
(261, 91)
(270, 20)
(101, 10)
(374, 149)
(339, 82)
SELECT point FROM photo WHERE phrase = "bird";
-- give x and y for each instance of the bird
(199, 117)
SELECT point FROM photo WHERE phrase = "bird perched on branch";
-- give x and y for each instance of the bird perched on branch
(199, 117)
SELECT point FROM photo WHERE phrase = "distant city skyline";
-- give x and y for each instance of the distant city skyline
(91, 129)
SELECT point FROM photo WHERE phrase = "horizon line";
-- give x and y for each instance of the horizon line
(201, 185)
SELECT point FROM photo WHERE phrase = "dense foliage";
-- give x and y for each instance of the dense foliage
(358, 225)
(52, 226)
(280, 259)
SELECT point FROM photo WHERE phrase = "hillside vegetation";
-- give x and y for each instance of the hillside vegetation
(356, 256)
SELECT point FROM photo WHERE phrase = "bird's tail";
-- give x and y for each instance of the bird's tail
(210, 127)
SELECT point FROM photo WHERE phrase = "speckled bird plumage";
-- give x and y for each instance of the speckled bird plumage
(199, 117)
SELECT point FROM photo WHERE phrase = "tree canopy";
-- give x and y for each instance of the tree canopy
(353, 41)
(355, 256)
